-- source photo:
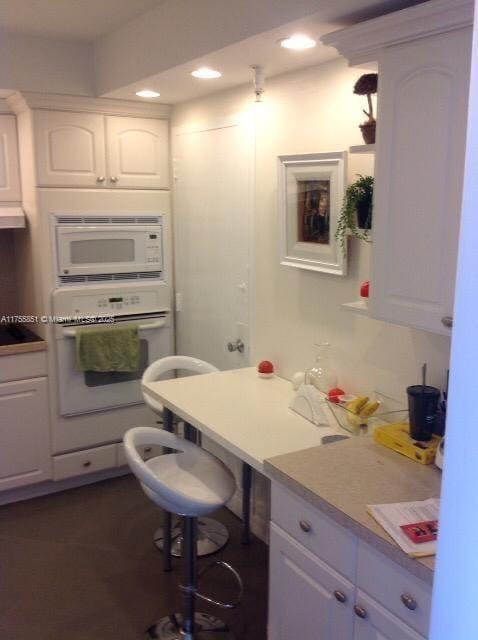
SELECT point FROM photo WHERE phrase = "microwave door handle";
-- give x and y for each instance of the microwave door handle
(156, 324)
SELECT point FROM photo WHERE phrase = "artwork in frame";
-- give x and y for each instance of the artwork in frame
(311, 190)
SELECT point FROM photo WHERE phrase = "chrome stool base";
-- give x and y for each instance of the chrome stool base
(212, 536)
(206, 628)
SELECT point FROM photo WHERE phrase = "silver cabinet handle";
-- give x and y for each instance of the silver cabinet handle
(340, 596)
(113, 179)
(305, 526)
(360, 612)
(100, 179)
(409, 601)
(238, 345)
(447, 321)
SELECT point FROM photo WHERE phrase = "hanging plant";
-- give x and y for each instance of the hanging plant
(356, 213)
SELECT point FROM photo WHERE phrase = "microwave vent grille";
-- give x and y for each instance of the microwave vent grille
(87, 220)
(111, 277)
(69, 220)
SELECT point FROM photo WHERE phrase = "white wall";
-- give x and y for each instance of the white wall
(307, 111)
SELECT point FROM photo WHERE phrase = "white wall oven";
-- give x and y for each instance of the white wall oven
(143, 304)
(97, 248)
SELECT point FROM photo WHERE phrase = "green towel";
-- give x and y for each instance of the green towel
(108, 349)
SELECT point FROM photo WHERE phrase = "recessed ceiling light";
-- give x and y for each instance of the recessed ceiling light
(148, 93)
(298, 41)
(206, 73)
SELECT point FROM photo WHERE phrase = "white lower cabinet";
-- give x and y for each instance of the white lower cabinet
(378, 623)
(310, 597)
(24, 433)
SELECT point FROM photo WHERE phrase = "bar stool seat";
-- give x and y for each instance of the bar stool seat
(189, 486)
(190, 483)
(212, 534)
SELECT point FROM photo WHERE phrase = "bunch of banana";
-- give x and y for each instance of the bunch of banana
(360, 409)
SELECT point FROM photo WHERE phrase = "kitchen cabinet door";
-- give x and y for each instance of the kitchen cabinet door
(9, 168)
(70, 149)
(307, 598)
(378, 623)
(137, 153)
(421, 130)
(24, 433)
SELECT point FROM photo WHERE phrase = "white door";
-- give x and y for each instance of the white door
(307, 599)
(24, 433)
(213, 201)
(9, 171)
(137, 153)
(70, 149)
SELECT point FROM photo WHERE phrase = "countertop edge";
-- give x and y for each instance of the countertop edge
(387, 547)
(26, 347)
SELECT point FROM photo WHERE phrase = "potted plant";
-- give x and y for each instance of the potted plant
(366, 85)
(356, 213)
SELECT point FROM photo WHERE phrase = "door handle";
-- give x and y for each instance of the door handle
(71, 333)
(238, 345)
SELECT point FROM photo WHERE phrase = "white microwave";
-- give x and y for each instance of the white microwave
(95, 248)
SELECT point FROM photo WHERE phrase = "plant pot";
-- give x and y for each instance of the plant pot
(368, 132)
(364, 213)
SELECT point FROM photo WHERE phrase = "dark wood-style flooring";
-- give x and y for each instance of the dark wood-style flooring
(80, 565)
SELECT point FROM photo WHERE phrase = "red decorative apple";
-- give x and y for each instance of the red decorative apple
(365, 289)
(265, 367)
(334, 394)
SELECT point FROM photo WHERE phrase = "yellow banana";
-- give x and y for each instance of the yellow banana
(356, 405)
(369, 409)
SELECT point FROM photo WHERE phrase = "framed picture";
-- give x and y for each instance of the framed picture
(311, 190)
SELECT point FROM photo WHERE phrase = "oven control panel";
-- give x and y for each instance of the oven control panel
(136, 299)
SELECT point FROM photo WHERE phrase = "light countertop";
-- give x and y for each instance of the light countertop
(342, 478)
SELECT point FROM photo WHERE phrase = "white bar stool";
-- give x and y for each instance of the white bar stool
(190, 483)
(212, 534)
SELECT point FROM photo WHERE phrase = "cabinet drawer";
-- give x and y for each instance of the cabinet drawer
(387, 582)
(147, 451)
(379, 623)
(318, 533)
(83, 462)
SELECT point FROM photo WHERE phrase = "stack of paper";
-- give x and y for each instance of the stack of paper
(392, 516)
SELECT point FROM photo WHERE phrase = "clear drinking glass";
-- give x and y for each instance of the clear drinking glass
(322, 375)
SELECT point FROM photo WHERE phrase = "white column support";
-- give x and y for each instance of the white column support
(455, 602)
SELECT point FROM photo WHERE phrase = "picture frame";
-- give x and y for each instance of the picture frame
(311, 189)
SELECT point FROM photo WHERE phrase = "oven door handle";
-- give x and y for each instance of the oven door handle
(156, 324)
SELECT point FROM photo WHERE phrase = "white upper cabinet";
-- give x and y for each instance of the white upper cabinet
(9, 167)
(423, 96)
(137, 152)
(93, 150)
(424, 56)
(70, 149)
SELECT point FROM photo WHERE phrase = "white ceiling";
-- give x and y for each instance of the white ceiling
(70, 19)
(235, 62)
(113, 48)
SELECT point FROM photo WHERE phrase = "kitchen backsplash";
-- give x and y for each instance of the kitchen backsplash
(8, 285)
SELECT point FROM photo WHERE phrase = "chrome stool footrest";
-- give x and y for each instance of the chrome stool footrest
(223, 605)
